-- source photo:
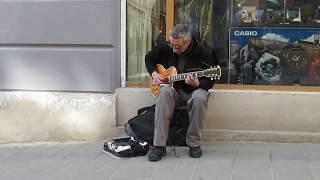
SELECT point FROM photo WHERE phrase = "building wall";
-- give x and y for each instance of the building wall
(60, 45)
(52, 49)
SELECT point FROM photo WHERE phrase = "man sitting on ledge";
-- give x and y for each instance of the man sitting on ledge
(186, 55)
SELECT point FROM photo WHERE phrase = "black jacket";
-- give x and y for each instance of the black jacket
(196, 58)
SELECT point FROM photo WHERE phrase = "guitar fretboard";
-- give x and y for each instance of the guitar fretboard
(183, 76)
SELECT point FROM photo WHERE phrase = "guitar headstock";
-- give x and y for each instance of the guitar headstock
(213, 72)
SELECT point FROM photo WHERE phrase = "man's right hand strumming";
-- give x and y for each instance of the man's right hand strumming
(158, 78)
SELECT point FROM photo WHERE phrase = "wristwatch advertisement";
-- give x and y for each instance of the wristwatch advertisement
(274, 55)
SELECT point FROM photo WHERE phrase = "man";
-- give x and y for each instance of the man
(186, 55)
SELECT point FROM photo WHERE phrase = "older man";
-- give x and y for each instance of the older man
(186, 55)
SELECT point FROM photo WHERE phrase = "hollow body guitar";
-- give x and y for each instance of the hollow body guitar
(172, 76)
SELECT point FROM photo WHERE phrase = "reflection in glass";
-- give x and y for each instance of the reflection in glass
(145, 22)
(209, 23)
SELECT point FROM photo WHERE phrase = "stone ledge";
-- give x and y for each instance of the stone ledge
(242, 112)
(56, 116)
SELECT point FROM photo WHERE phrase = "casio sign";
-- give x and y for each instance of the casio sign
(245, 33)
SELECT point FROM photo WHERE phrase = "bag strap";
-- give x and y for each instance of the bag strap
(140, 111)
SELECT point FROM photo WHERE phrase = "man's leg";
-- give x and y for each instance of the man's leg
(165, 103)
(197, 107)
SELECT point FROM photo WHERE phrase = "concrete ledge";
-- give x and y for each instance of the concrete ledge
(264, 111)
(260, 136)
(53, 116)
(243, 114)
(129, 100)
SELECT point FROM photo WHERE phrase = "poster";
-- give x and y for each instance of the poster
(277, 56)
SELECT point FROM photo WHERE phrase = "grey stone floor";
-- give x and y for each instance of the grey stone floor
(220, 161)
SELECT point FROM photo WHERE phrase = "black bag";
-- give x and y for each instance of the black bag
(126, 147)
(142, 126)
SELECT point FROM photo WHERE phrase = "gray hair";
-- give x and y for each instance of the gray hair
(181, 31)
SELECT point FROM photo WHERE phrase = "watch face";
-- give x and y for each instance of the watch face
(268, 67)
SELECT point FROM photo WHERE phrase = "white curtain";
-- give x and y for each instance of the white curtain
(139, 37)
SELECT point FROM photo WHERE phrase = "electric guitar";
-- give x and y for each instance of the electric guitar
(172, 76)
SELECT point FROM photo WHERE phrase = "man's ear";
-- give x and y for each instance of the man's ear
(189, 41)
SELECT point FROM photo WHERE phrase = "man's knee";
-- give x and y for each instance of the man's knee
(200, 96)
(166, 90)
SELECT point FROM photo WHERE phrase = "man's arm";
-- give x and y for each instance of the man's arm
(151, 59)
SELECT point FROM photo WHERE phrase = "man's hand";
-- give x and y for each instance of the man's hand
(158, 78)
(192, 81)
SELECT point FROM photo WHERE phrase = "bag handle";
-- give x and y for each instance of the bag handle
(144, 109)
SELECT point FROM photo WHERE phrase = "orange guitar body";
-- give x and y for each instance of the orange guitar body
(155, 89)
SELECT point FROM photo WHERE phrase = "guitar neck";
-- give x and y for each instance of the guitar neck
(183, 76)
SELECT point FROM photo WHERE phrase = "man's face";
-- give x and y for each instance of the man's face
(179, 45)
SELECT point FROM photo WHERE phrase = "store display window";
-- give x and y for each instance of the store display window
(270, 43)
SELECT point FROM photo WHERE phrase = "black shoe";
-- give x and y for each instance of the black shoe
(157, 152)
(195, 152)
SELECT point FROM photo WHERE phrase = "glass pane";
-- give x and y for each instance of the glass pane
(260, 42)
(210, 23)
(145, 24)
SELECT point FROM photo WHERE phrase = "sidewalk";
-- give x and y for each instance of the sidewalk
(220, 161)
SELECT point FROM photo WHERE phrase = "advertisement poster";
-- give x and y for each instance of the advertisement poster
(277, 56)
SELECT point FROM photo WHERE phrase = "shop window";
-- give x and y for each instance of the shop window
(258, 42)
(209, 21)
(145, 27)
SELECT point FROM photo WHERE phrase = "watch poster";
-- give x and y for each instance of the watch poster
(275, 56)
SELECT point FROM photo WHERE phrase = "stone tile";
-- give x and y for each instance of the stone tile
(289, 162)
